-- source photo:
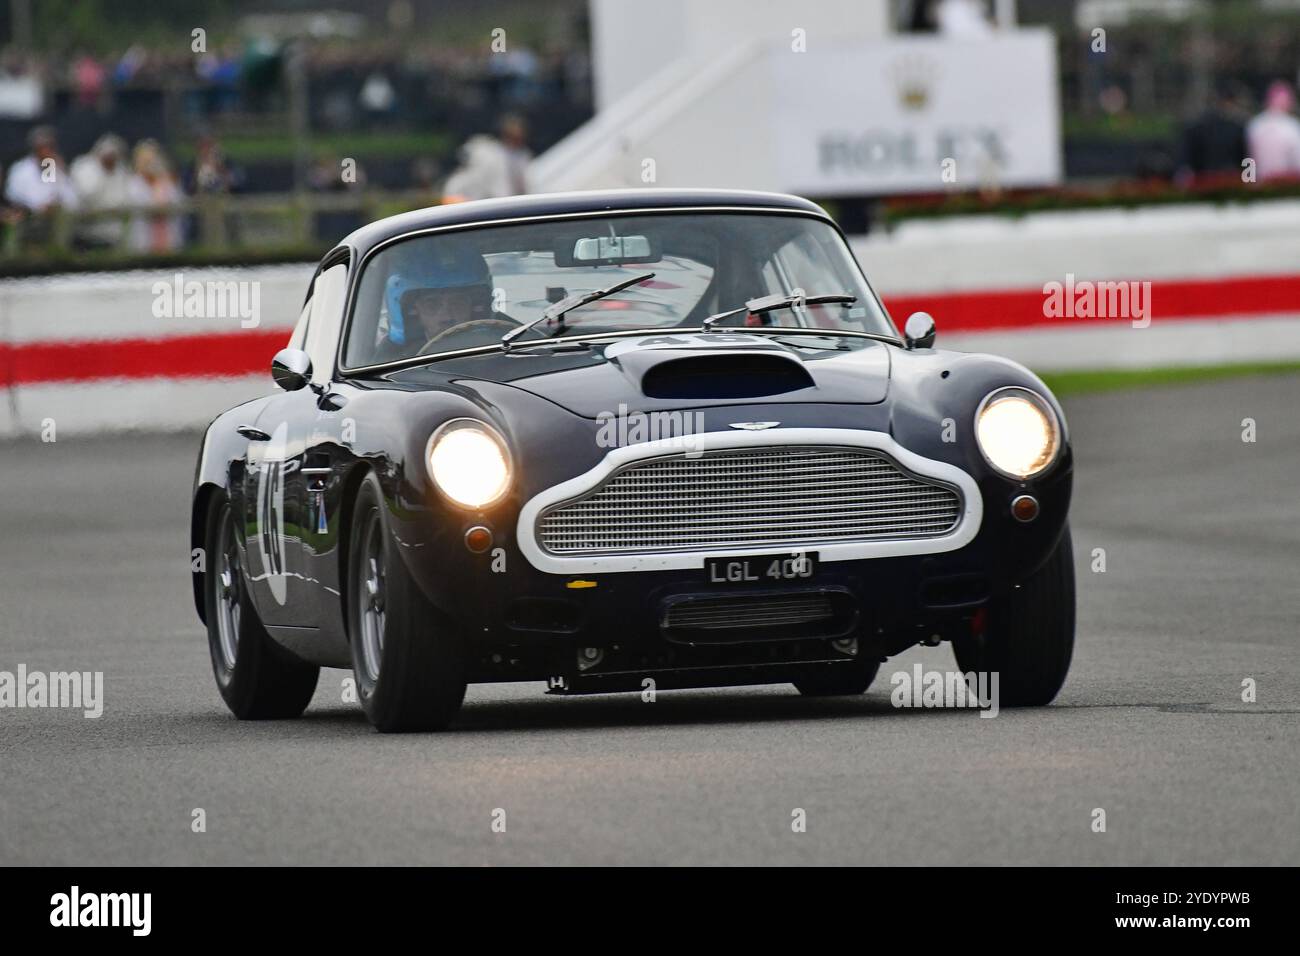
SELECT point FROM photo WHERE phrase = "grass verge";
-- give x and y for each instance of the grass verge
(1066, 384)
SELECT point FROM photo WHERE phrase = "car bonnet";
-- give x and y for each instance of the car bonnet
(662, 371)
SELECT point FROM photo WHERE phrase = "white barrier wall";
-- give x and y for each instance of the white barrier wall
(1224, 283)
(122, 305)
(112, 351)
(91, 352)
(1201, 240)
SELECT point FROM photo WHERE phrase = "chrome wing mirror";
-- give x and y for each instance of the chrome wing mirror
(918, 331)
(291, 369)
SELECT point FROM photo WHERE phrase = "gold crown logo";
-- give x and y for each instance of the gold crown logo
(913, 75)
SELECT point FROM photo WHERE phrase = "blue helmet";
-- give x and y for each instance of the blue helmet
(430, 264)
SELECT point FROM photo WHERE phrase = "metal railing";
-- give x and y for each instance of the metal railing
(213, 223)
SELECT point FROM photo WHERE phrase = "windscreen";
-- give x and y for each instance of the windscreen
(461, 289)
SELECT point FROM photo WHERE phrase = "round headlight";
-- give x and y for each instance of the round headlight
(1017, 432)
(469, 463)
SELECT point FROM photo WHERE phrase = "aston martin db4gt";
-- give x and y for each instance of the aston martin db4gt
(622, 440)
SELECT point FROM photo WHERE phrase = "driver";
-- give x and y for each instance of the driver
(432, 289)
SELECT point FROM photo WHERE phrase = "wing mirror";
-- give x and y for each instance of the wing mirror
(918, 331)
(291, 369)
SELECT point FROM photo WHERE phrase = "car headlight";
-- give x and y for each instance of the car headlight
(469, 463)
(1018, 432)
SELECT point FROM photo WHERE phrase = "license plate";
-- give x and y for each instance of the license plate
(762, 569)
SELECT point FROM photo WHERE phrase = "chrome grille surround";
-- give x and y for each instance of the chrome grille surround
(776, 497)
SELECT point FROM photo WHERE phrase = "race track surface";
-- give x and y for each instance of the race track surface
(1201, 533)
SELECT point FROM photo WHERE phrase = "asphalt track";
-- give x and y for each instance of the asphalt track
(1201, 591)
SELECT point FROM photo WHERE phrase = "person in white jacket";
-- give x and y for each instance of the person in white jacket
(103, 183)
(1273, 137)
(39, 182)
(484, 171)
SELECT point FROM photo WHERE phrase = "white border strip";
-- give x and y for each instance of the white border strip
(967, 526)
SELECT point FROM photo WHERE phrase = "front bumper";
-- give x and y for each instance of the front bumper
(527, 616)
(524, 623)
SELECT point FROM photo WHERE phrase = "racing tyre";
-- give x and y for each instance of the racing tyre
(1028, 637)
(838, 684)
(258, 679)
(409, 664)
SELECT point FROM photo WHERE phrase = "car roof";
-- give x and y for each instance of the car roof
(553, 204)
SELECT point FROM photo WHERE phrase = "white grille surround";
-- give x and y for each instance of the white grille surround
(946, 515)
(787, 496)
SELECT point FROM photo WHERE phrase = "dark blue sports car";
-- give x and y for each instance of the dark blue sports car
(617, 440)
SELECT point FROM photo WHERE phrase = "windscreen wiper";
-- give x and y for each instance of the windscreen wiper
(559, 309)
(770, 303)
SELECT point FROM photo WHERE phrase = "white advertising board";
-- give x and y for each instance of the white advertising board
(883, 116)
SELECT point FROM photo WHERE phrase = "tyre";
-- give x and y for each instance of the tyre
(1028, 637)
(841, 683)
(409, 664)
(258, 679)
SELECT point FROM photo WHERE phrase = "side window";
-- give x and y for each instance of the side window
(298, 340)
(325, 320)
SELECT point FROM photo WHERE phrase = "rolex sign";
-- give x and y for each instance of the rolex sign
(918, 114)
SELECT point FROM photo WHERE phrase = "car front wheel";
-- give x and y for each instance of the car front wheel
(409, 663)
(1027, 638)
(258, 679)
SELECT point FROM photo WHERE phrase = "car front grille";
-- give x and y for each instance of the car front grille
(727, 613)
(788, 497)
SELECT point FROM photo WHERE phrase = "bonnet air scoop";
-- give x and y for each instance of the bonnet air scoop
(709, 367)
(725, 375)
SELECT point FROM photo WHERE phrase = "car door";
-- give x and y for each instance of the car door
(273, 515)
(312, 497)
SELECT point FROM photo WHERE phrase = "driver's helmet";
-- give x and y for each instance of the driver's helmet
(434, 286)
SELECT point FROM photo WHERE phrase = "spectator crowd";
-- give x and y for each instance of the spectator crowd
(133, 196)
(131, 111)
(130, 195)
